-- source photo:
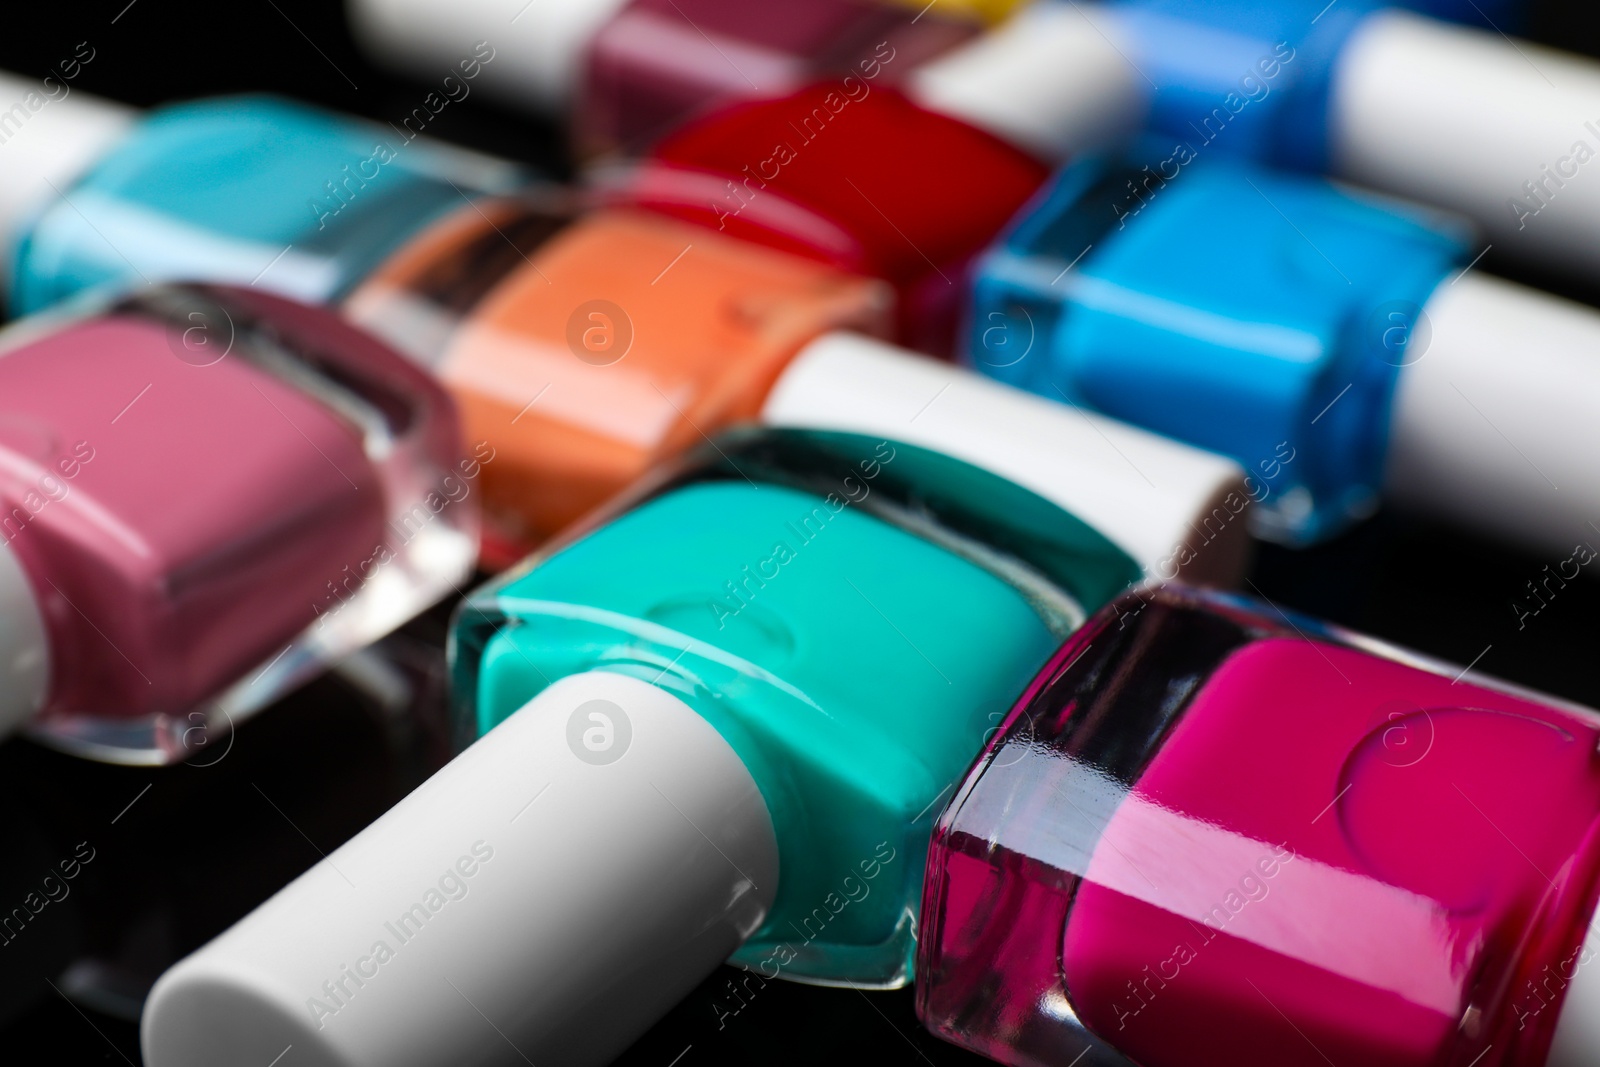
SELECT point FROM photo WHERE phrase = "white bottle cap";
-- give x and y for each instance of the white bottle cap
(1053, 79)
(24, 646)
(1497, 421)
(538, 46)
(1464, 119)
(1577, 1040)
(49, 134)
(534, 903)
(1148, 495)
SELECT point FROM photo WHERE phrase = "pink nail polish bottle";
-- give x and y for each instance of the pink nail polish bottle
(1211, 835)
(206, 494)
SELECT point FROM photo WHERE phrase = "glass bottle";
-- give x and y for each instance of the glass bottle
(253, 190)
(1460, 117)
(1210, 833)
(1332, 342)
(588, 346)
(209, 494)
(852, 173)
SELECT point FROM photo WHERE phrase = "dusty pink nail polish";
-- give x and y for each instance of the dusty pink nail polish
(206, 494)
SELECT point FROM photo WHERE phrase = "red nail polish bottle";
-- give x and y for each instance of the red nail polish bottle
(854, 174)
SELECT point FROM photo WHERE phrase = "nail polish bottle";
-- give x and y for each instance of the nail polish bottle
(852, 173)
(748, 688)
(586, 346)
(1336, 344)
(48, 149)
(625, 71)
(1459, 117)
(248, 190)
(1211, 834)
(208, 495)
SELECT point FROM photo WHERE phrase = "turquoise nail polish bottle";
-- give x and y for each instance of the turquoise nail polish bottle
(241, 188)
(849, 614)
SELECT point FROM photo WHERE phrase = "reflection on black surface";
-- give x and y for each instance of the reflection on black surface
(163, 859)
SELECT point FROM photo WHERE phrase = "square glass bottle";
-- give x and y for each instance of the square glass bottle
(1211, 834)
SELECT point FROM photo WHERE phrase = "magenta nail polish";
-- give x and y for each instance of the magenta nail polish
(1208, 836)
(208, 493)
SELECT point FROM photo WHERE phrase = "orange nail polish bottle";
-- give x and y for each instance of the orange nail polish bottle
(584, 347)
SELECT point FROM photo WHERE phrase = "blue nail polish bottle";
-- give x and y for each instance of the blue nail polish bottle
(1264, 62)
(1261, 315)
(1271, 64)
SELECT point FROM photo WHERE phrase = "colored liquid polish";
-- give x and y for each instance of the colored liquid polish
(627, 71)
(251, 190)
(852, 174)
(827, 631)
(1327, 340)
(750, 684)
(1207, 835)
(209, 494)
(587, 348)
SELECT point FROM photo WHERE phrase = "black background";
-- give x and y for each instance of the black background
(204, 844)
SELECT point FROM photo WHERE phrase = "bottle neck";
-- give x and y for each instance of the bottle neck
(420, 296)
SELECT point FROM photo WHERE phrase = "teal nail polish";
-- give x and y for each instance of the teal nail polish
(250, 189)
(850, 614)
